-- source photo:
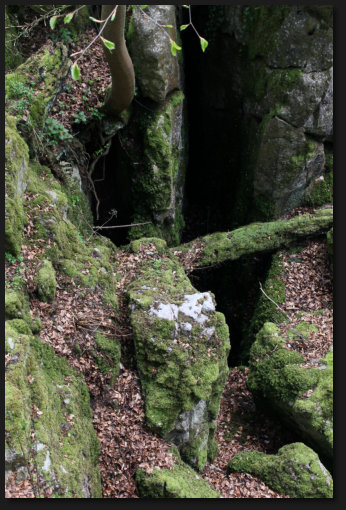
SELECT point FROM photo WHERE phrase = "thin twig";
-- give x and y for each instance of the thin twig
(123, 226)
(270, 299)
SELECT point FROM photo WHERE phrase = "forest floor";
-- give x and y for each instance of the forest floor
(118, 410)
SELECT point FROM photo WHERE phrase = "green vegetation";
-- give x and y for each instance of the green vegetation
(55, 132)
(46, 282)
(295, 470)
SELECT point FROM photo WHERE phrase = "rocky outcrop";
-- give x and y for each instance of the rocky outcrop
(295, 470)
(281, 385)
(181, 345)
(157, 70)
(255, 238)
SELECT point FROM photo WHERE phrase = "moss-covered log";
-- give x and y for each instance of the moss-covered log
(256, 237)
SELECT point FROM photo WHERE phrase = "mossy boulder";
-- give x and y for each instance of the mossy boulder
(179, 482)
(157, 70)
(280, 385)
(46, 282)
(48, 417)
(182, 345)
(295, 470)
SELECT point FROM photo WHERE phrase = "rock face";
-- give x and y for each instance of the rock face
(266, 88)
(279, 384)
(295, 470)
(157, 70)
(181, 348)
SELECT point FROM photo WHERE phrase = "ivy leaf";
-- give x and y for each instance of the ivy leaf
(174, 48)
(52, 22)
(75, 71)
(68, 17)
(182, 27)
(109, 44)
(204, 43)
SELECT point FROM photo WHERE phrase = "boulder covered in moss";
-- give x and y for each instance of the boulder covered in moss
(48, 418)
(157, 70)
(158, 175)
(107, 356)
(46, 282)
(295, 470)
(301, 397)
(182, 345)
(179, 482)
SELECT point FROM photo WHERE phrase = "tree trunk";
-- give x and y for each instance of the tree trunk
(119, 61)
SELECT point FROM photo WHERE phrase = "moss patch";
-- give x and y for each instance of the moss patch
(45, 396)
(180, 482)
(295, 470)
(46, 282)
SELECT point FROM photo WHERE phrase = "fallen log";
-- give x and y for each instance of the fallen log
(254, 238)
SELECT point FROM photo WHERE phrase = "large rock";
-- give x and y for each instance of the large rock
(295, 470)
(48, 417)
(157, 70)
(281, 385)
(182, 345)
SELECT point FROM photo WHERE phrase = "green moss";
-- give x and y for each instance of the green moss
(160, 244)
(320, 192)
(109, 364)
(275, 372)
(46, 282)
(295, 470)
(180, 482)
(178, 371)
(45, 396)
(16, 163)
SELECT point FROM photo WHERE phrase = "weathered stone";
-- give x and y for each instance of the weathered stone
(181, 349)
(157, 70)
(287, 161)
(295, 470)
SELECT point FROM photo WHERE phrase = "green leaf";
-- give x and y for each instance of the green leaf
(204, 43)
(168, 26)
(68, 17)
(186, 6)
(53, 21)
(113, 15)
(174, 48)
(182, 27)
(143, 6)
(109, 44)
(75, 71)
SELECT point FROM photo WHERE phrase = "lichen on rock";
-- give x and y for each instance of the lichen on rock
(182, 345)
(295, 470)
